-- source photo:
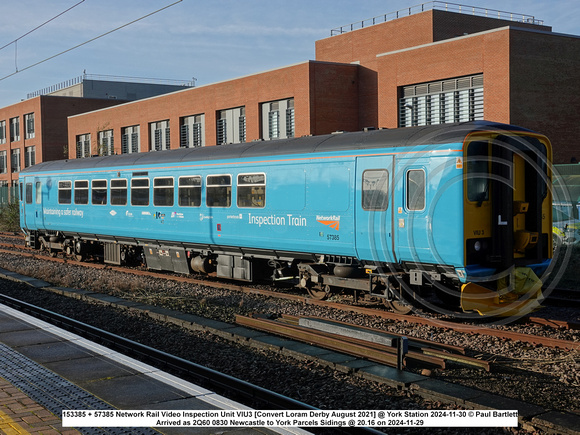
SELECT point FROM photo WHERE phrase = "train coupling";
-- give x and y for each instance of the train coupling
(517, 294)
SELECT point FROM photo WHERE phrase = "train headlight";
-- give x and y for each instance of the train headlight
(477, 246)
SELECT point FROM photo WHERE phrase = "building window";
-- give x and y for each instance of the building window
(29, 156)
(106, 144)
(130, 140)
(274, 121)
(29, 123)
(14, 129)
(2, 132)
(242, 125)
(3, 162)
(442, 102)
(231, 126)
(15, 160)
(290, 118)
(160, 135)
(191, 131)
(83, 146)
(278, 119)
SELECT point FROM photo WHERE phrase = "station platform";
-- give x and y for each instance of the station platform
(44, 369)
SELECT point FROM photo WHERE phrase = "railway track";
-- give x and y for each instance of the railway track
(468, 328)
(390, 349)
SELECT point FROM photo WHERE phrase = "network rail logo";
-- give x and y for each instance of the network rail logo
(330, 221)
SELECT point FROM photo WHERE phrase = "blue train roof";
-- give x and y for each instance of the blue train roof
(383, 138)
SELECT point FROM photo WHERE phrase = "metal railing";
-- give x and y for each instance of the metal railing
(80, 79)
(438, 5)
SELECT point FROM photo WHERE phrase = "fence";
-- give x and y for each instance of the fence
(438, 5)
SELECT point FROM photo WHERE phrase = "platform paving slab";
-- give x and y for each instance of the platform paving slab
(28, 337)
(53, 352)
(85, 371)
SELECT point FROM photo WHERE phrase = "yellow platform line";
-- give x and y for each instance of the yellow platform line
(9, 426)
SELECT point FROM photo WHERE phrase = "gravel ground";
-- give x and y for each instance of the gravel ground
(543, 376)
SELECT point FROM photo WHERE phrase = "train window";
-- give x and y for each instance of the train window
(478, 171)
(64, 192)
(219, 191)
(252, 190)
(99, 192)
(28, 193)
(375, 189)
(189, 191)
(140, 191)
(163, 192)
(416, 189)
(38, 192)
(81, 192)
(119, 191)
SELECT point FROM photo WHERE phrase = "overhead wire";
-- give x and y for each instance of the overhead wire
(89, 41)
(41, 25)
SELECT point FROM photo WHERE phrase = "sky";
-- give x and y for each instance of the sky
(209, 40)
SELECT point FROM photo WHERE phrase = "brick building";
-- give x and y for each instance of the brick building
(440, 66)
(35, 130)
(307, 98)
(435, 66)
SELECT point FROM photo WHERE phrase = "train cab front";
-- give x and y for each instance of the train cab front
(507, 222)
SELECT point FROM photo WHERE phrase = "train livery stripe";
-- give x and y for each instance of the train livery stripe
(237, 162)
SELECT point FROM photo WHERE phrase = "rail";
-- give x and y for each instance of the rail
(438, 5)
(386, 348)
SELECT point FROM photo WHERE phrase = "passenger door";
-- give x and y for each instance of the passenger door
(31, 204)
(373, 208)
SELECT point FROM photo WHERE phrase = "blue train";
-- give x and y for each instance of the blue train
(459, 210)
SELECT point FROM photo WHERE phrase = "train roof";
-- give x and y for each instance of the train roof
(399, 137)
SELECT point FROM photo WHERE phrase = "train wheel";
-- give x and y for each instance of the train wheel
(321, 294)
(398, 307)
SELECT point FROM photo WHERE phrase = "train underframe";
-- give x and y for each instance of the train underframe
(399, 287)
